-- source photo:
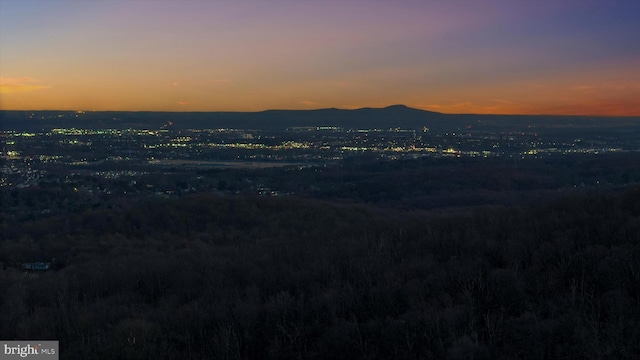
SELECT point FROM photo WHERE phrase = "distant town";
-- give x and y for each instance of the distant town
(98, 155)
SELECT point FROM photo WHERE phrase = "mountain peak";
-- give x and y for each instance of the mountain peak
(398, 107)
(407, 109)
(390, 107)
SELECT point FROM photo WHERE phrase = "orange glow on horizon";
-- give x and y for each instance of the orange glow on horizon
(19, 85)
(456, 57)
(629, 107)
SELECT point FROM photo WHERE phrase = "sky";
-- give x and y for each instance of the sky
(569, 57)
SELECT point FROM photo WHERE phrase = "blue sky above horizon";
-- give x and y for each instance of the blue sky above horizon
(487, 56)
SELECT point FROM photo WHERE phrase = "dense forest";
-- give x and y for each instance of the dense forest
(244, 277)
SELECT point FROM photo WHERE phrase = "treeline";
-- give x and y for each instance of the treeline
(434, 183)
(207, 277)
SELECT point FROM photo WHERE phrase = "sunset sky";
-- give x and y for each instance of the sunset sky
(460, 56)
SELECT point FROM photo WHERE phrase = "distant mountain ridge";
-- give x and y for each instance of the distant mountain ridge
(394, 116)
(391, 116)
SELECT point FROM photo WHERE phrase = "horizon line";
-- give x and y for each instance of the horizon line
(321, 109)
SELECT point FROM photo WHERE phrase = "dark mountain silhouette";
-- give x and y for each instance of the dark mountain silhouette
(392, 116)
(395, 116)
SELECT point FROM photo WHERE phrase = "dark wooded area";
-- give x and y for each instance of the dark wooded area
(207, 276)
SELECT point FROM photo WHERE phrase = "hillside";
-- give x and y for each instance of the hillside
(245, 277)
